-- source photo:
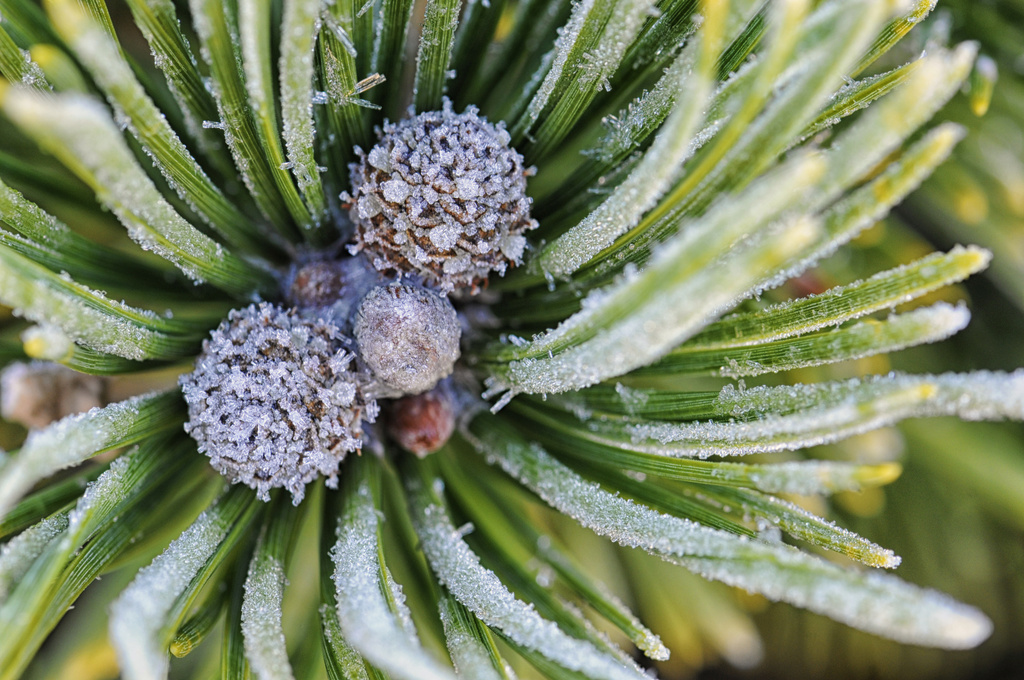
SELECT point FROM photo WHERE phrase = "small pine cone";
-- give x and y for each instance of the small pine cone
(408, 336)
(275, 400)
(443, 197)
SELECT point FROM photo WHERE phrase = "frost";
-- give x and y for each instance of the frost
(352, 665)
(395, 190)
(882, 128)
(866, 143)
(775, 515)
(19, 554)
(644, 186)
(30, 220)
(175, 59)
(138, 615)
(107, 492)
(631, 126)
(84, 135)
(469, 656)
(68, 442)
(703, 287)
(480, 591)
(710, 236)
(250, 40)
(441, 18)
(31, 74)
(920, 326)
(843, 303)
(69, 563)
(85, 316)
(599, 64)
(339, 32)
(631, 399)
(239, 132)
(870, 601)
(805, 478)
(589, 49)
(262, 631)
(408, 336)
(137, 113)
(789, 417)
(300, 27)
(367, 623)
(558, 59)
(366, 83)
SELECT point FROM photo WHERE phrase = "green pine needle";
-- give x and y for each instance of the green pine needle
(195, 199)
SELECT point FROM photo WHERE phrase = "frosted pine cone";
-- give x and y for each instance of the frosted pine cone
(442, 196)
(274, 400)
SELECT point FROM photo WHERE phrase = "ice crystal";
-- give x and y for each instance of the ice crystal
(261, 620)
(381, 635)
(459, 569)
(136, 616)
(18, 555)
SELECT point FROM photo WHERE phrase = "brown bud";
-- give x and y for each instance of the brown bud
(37, 394)
(422, 423)
(316, 284)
